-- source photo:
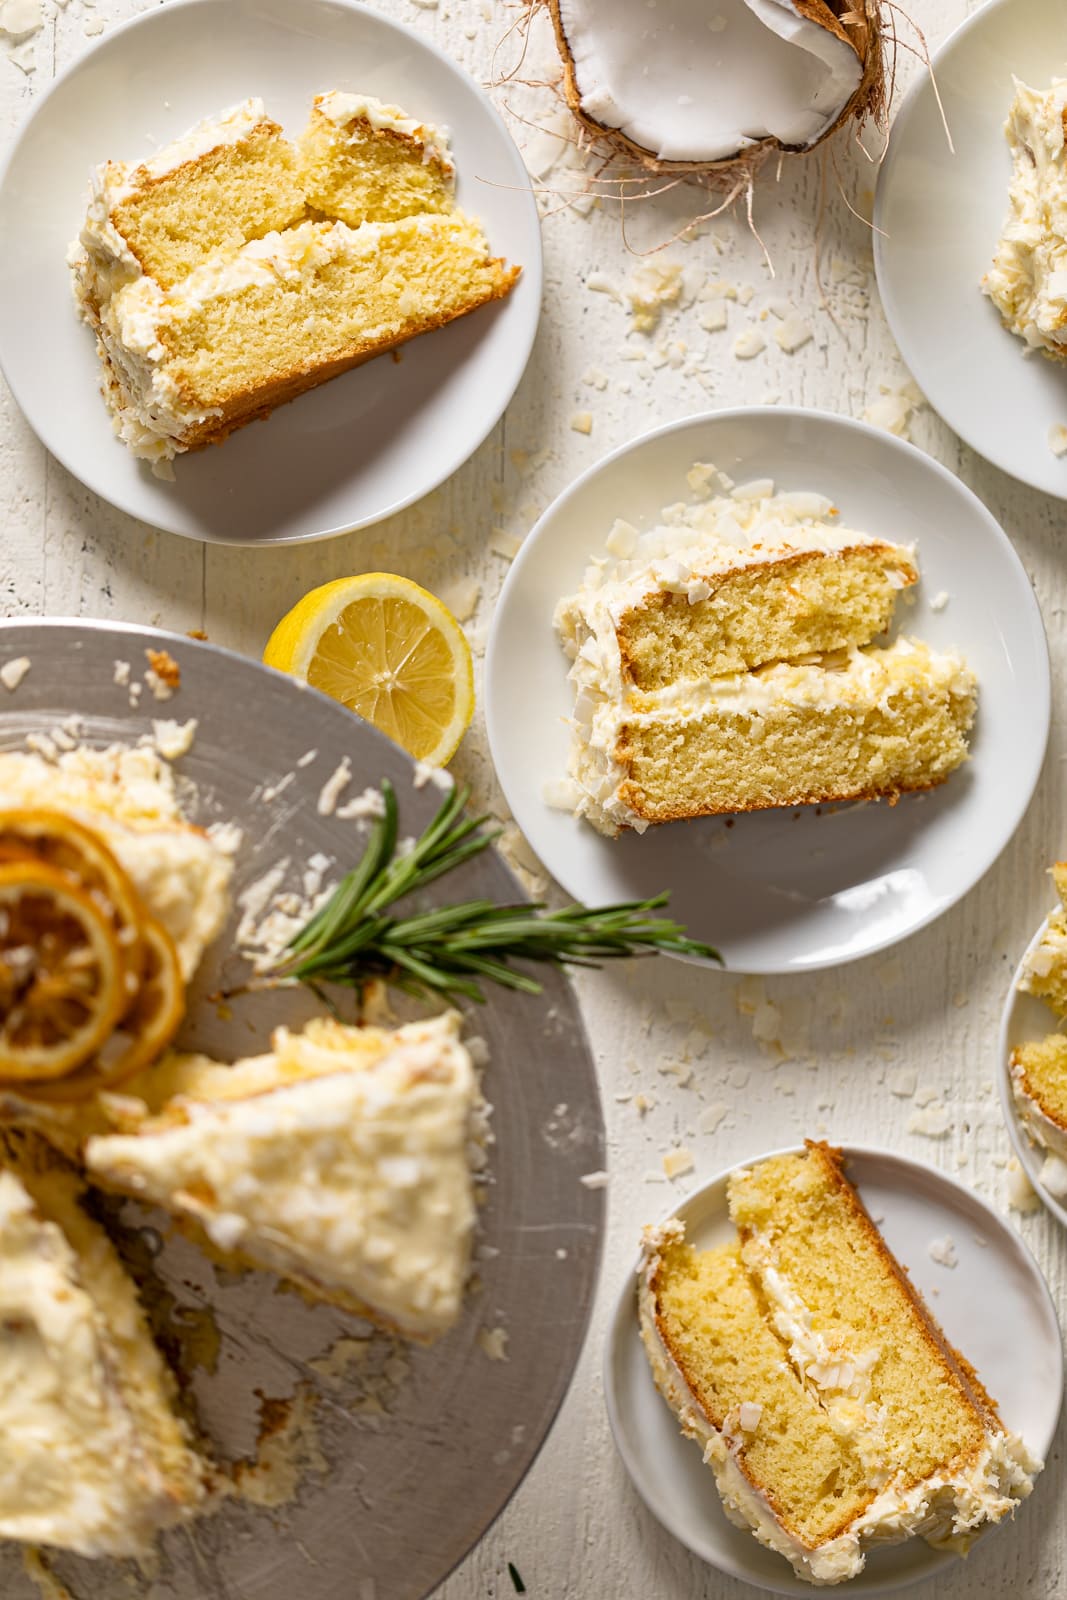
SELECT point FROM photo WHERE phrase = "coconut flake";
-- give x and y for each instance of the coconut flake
(682, 90)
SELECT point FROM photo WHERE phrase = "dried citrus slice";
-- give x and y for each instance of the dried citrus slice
(143, 1034)
(62, 842)
(389, 651)
(62, 980)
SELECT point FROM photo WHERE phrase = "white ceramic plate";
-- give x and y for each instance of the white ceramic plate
(782, 890)
(937, 219)
(363, 445)
(1025, 1017)
(993, 1305)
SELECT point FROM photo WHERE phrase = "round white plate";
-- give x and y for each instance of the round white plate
(781, 891)
(937, 218)
(1025, 1017)
(363, 445)
(993, 1305)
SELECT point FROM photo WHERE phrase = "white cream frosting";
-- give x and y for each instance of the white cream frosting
(341, 108)
(1049, 954)
(128, 795)
(75, 1471)
(356, 1181)
(946, 1510)
(1027, 281)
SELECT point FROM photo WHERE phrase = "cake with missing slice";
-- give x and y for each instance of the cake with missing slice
(832, 1410)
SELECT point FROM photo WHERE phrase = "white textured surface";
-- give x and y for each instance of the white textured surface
(834, 1054)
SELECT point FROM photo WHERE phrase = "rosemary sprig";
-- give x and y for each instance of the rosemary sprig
(451, 950)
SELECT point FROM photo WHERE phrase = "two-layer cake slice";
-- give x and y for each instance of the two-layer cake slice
(1038, 1067)
(344, 1160)
(234, 270)
(740, 673)
(95, 1457)
(831, 1408)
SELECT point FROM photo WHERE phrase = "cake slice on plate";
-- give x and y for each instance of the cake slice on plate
(95, 1458)
(344, 1160)
(1039, 1087)
(1045, 972)
(728, 661)
(831, 1407)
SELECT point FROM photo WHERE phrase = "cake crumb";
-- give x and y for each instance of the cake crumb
(678, 1162)
(582, 422)
(711, 1116)
(943, 1251)
(715, 318)
(461, 598)
(903, 1081)
(503, 543)
(793, 334)
(594, 1180)
(368, 806)
(493, 1343)
(165, 668)
(749, 344)
(940, 600)
(12, 672)
(1057, 439)
(933, 1122)
(174, 739)
(426, 772)
(121, 675)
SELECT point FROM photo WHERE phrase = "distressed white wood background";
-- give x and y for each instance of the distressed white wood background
(828, 1053)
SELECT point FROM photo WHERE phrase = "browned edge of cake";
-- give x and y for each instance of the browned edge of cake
(630, 794)
(717, 1419)
(961, 1372)
(254, 405)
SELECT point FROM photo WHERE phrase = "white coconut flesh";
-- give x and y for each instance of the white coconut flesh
(703, 80)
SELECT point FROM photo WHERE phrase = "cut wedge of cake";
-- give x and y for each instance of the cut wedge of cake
(1039, 1087)
(344, 1160)
(725, 661)
(95, 1459)
(1027, 281)
(231, 272)
(1045, 973)
(831, 1408)
(364, 161)
(248, 332)
(865, 724)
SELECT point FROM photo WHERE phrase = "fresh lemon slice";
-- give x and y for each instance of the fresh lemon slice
(390, 652)
(62, 979)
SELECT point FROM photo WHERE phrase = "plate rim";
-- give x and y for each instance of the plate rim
(146, 633)
(494, 715)
(1029, 1154)
(897, 324)
(621, 1321)
(533, 269)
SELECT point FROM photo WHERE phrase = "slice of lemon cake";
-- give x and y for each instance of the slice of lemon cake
(780, 1468)
(231, 272)
(724, 661)
(831, 1407)
(95, 1459)
(247, 332)
(1027, 281)
(1039, 1086)
(1045, 973)
(860, 725)
(364, 161)
(344, 1160)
